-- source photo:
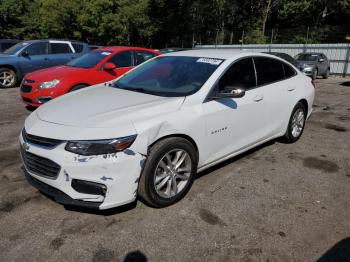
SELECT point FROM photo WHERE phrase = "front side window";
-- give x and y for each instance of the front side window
(268, 70)
(241, 74)
(60, 48)
(170, 76)
(39, 48)
(89, 60)
(123, 59)
(143, 56)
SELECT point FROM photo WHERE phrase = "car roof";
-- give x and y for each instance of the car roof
(217, 53)
(120, 48)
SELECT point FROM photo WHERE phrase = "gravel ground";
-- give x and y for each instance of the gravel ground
(275, 203)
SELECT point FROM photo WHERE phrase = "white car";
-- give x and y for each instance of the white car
(149, 132)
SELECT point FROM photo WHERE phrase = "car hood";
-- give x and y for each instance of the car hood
(105, 106)
(55, 72)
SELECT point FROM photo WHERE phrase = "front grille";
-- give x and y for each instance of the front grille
(40, 141)
(39, 165)
(29, 81)
(26, 88)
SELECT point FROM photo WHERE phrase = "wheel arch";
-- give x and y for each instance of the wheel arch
(10, 67)
(79, 84)
(187, 137)
(305, 104)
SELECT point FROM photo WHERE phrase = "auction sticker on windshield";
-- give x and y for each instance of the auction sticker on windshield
(211, 61)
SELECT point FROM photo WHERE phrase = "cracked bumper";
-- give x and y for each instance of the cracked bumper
(118, 172)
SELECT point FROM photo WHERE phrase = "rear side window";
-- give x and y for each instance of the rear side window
(240, 74)
(142, 56)
(288, 71)
(268, 70)
(39, 48)
(77, 47)
(123, 59)
(60, 48)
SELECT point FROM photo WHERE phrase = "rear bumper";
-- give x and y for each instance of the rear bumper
(58, 195)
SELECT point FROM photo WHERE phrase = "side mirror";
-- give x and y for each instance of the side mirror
(321, 60)
(230, 92)
(25, 53)
(109, 66)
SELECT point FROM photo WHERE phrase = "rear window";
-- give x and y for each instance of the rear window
(288, 71)
(60, 48)
(268, 70)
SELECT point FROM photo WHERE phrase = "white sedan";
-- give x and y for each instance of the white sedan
(149, 132)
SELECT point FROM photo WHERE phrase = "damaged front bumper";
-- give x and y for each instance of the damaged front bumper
(100, 181)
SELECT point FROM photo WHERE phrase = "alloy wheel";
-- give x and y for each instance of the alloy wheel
(172, 173)
(6, 79)
(298, 122)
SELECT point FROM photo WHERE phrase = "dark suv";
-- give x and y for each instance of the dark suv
(313, 64)
(28, 56)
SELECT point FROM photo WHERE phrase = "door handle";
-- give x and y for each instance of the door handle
(290, 88)
(46, 59)
(258, 98)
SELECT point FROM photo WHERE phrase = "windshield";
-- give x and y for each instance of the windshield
(307, 57)
(15, 48)
(90, 59)
(170, 76)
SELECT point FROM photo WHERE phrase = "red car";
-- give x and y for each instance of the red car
(98, 66)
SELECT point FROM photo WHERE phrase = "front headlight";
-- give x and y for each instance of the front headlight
(100, 147)
(49, 84)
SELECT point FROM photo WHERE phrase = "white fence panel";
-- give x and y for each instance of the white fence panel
(338, 54)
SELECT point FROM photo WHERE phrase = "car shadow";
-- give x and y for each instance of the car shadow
(340, 252)
(135, 256)
(30, 108)
(107, 212)
(346, 83)
(233, 159)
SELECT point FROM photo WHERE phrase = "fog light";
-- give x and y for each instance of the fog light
(88, 187)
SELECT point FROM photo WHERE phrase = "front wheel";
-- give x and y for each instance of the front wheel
(8, 78)
(296, 124)
(169, 172)
(326, 75)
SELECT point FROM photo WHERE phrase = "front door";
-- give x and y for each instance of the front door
(123, 62)
(34, 57)
(233, 124)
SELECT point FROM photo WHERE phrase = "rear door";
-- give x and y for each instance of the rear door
(60, 53)
(35, 56)
(275, 80)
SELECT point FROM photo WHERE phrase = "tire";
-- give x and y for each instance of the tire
(75, 88)
(314, 74)
(154, 193)
(291, 135)
(8, 78)
(326, 75)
